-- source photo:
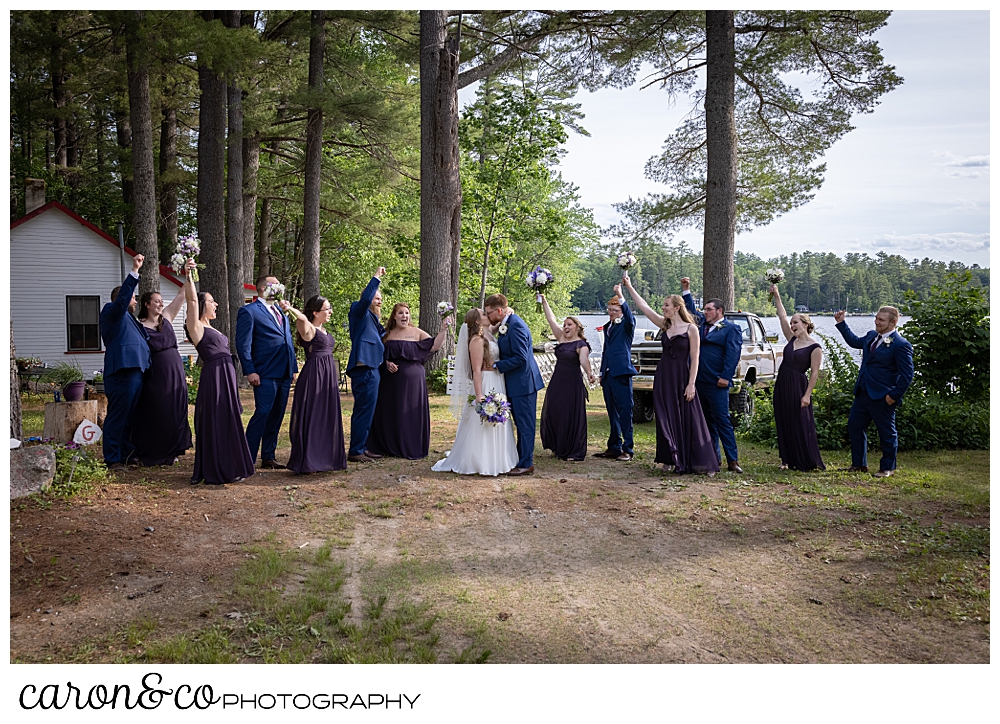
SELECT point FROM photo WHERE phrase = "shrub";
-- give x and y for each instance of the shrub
(437, 379)
(76, 475)
(193, 376)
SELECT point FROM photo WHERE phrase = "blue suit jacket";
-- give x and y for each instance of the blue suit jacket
(889, 371)
(263, 347)
(517, 359)
(125, 340)
(366, 330)
(616, 356)
(720, 348)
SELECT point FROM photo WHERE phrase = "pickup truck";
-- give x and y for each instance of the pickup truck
(758, 368)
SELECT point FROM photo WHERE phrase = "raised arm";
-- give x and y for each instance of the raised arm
(441, 335)
(688, 298)
(641, 303)
(170, 311)
(782, 315)
(551, 319)
(303, 326)
(476, 351)
(368, 294)
(852, 339)
(195, 328)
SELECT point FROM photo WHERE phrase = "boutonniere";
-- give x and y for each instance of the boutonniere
(720, 324)
(887, 341)
(618, 320)
(503, 329)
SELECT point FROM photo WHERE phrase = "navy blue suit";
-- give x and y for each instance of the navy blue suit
(265, 348)
(367, 351)
(886, 370)
(523, 380)
(720, 354)
(616, 379)
(126, 357)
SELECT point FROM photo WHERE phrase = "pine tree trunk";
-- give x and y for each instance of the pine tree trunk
(123, 133)
(58, 77)
(314, 156)
(720, 125)
(234, 193)
(212, 189)
(168, 177)
(16, 431)
(251, 165)
(264, 248)
(440, 190)
(144, 187)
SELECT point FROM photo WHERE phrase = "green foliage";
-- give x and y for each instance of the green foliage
(194, 373)
(77, 469)
(437, 379)
(62, 373)
(950, 333)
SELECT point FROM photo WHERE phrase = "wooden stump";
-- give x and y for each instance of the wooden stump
(62, 418)
(102, 407)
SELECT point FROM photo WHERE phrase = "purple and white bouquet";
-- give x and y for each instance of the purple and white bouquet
(774, 275)
(538, 279)
(188, 247)
(444, 309)
(493, 409)
(626, 260)
(274, 291)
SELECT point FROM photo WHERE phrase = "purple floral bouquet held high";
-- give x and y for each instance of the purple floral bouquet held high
(538, 279)
(493, 409)
(444, 309)
(626, 260)
(188, 247)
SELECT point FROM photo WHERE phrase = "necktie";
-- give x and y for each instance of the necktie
(277, 314)
(875, 342)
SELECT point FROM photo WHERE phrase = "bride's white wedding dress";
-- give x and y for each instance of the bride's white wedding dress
(482, 447)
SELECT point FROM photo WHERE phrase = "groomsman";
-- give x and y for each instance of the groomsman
(721, 345)
(366, 332)
(267, 356)
(886, 373)
(126, 357)
(616, 377)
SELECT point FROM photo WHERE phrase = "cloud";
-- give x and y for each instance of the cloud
(964, 174)
(936, 244)
(967, 162)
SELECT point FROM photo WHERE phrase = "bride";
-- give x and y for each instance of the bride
(480, 447)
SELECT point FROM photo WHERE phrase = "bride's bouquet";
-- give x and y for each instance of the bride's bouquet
(538, 279)
(493, 409)
(188, 247)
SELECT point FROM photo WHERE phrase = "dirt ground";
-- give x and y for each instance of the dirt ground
(583, 562)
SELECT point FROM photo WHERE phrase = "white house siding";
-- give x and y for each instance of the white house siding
(53, 256)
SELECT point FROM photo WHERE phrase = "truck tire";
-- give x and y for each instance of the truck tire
(742, 407)
(642, 407)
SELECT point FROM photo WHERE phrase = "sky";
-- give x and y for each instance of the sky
(913, 178)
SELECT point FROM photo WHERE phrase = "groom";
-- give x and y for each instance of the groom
(517, 364)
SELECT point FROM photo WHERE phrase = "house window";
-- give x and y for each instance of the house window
(83, 329)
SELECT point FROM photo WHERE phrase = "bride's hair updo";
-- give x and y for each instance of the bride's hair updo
(474, 322)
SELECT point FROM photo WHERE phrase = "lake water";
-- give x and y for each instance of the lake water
(824, 325)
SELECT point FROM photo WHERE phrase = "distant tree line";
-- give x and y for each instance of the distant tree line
(818, 281)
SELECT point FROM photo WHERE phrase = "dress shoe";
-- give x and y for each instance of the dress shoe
(884, 473)
(734, 467)
(522, 471)
(853, 469)
(373, 456)
(608, 454)
(362, 458)
(273, 464)
(115, 467)
(624, 457)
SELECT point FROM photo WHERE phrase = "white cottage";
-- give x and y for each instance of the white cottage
(62, 271)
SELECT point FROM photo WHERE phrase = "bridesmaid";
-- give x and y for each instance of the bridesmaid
(793, 410)
(402, 424)
(564, 412)
(316, 429)
(221, 454)
(162, 432)
(683, 442)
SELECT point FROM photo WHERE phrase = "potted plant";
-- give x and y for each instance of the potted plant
(67, 376)
(26, 363)
(99, 380)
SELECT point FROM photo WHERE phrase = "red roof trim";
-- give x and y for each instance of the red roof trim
(165, 271)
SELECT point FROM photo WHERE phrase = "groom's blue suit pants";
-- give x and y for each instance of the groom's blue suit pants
(525, 408)
(865, 410)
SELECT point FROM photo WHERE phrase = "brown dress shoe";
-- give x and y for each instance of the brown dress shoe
(362, 458)
(884, 473)
(853, 469)
(607, 454)
(734, 467)
(272, 464)
(373, 456)
(522, 471)
(624, 457)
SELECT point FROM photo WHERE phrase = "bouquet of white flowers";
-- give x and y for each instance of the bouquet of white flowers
(493, 409)
(188, 247)
(444, 309)
(626, 260)
(538, 279)
(774, 275)
(274, 291)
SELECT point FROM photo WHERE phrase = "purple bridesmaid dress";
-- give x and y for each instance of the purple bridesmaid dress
(161, 431)
(402, 424)
(564, 412)
(221, 454)
(795, 424)
(316, 429)
(682, 437)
